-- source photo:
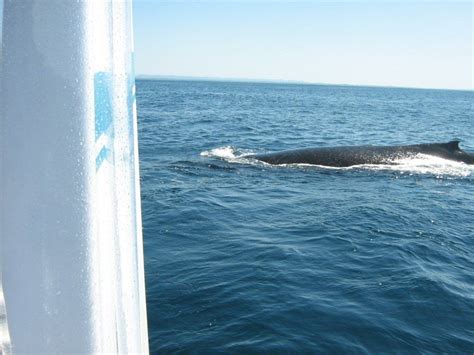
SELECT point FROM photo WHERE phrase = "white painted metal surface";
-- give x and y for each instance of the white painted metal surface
(70, 205)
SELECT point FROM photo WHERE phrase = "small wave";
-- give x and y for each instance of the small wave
(419, 164)
(425, 164)
(416, 164)
(230, 154)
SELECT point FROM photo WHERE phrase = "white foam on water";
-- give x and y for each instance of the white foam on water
(413, 165)
(222, 152)
(230, 154)
(419, 164)
(426, 164)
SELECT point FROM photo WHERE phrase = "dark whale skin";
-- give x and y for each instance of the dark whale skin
(358, 155)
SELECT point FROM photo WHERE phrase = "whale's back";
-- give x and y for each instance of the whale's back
(367, 154)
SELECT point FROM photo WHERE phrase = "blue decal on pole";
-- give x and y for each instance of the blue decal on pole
(131, 98)
(103, 114)
(104, 154)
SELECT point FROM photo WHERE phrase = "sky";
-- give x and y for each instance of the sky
(405, 43)
(422, 44)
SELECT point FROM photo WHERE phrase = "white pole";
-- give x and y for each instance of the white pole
(70, 205)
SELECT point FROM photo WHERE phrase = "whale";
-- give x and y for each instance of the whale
(346, 156)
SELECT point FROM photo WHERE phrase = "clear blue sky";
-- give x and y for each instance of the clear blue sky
(406, 43)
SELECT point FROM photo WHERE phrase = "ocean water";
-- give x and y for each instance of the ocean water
(243, 257)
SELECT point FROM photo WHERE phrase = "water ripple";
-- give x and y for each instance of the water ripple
(243, 257)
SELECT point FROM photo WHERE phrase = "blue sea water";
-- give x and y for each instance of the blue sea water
(243, 257)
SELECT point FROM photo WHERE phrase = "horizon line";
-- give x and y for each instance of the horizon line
(278, 81)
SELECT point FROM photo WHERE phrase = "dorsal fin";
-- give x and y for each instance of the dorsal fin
(452, 145)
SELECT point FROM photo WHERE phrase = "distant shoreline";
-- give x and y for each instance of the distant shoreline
(278, 82)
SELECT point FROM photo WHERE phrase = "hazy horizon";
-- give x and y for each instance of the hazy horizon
(275, 81)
